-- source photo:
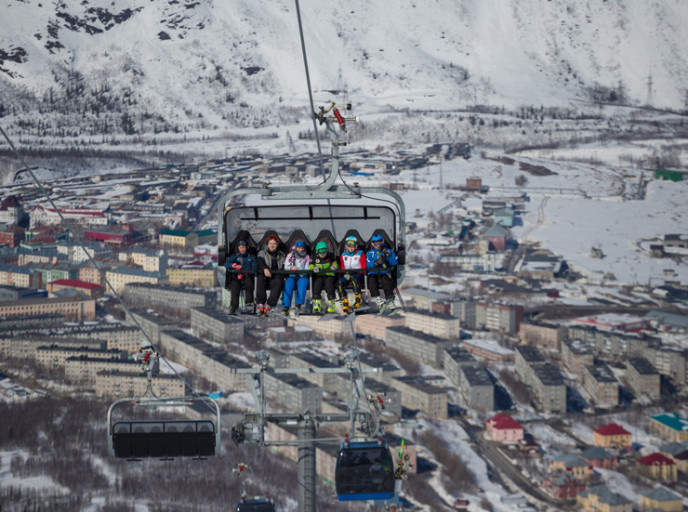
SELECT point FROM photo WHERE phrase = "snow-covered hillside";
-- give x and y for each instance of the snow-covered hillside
(94, 67)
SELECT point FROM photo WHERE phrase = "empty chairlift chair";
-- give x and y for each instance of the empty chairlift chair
(255, 505)
(365, 472)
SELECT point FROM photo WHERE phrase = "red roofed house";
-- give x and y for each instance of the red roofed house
(657, 466)
(563, 485)
(94, 291)
(41, 215)
(502, 428)
(613, 436)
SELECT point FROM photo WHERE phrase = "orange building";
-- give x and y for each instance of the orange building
(657, 466)
(613, 436)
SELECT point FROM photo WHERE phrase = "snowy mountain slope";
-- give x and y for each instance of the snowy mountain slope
(187, 65)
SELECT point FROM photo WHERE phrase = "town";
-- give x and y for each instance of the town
(566, 404)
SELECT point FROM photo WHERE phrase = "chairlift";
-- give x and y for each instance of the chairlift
(312, 213)
(163, 438)
(365, 471)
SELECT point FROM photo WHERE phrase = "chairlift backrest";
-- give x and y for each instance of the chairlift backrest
(258, 505)
(365, 471)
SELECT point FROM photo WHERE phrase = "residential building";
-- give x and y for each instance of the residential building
(613, 436)
(122, 276)
(658, 467)
(549, 388)
(418, 394)
(600, 458)
(11, 235)
(55, 355)
(325, 381)
(502, 428)
(670, 362)
(499, 317)
(294, 332)
(477, 387)
(373, 325)
(168, 298)
(670, 427)
(206, 236)
(562, 485)
(678, 452)
(526, 357)
(11, 210)
(20, 292)
(41, 215)
(200, 276)
(543, 335)
(91, 290)
(482, 262)
(661, 498)
(84, 368)
(418, 345)
(454, 358)
(93, 273)
(148, 259)
(423, 299)
(601, 385)
(81, 252)
(19, 276)
(24, 345)
(435, 324)
(574, 464)
(292, 392)
(73, 308)
(177, 239)
(612, 345)
(642, 377)
(385, 370)
(50, 273)
(496, 235)
(114, 384)
(214, 325)
(488, 350)
(601, 499)
(576, 356)
(151, 323)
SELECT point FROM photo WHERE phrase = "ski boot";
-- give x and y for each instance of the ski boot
(358, 300)
(346, 307)
(389, 305)
(331, 306)
(316, 306)
(285, 311)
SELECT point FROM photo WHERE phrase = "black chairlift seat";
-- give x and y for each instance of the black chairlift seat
(256, 505)
(365, 472)
(138, 439)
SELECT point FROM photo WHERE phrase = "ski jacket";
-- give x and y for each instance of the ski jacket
(270, 260)
(352, 260)
(238, 261)
(294, 259)
(380, 261)
(321, 265)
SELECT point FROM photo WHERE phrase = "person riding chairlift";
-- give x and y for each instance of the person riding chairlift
(297, 259)
(380, 261)
(269, 260)
(352, 258)
(236, 281)
(322, 265)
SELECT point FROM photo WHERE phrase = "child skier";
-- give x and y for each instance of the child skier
(380, 261)
(352, 258)
(297, 259)
(322, 265)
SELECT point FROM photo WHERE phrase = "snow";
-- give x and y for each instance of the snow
(41, 483)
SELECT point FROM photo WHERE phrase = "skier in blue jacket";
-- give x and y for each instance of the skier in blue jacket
(235, 280)
(380, 261)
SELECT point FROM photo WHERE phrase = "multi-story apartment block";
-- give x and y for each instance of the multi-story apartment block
(214, 325)
(661, 498)
(326, 381)
(526, 358)
(168, 297)
(386, 370)
(292, 392)
(19, 276)
(489, 350)
(601, 385)
(576, 356)
(122, 276)
(418, 394)
(465, 311)
(72, 308)
(574, 464)
(151, 323)
(657, 467)
(642, 377)
(20, 292)
(24, 345)
(80, 253)
(55, 355)
(211, 361)
(178, 239)
(200, 276)
(549, 388)
(93, 291)
(495, 316)
(332, 329)
(11, 209)
(546, 336)
(148, 259)
(454, 358)
(424, 299)
(85, 368)
(94, 273)
(601, 499)
(418, 345)
(435, 324)
(670, 362)
(610, 344)
(375, 326)
(50, 273)
(120, 384)
(477, 387)
(42, 216)
(11, 236)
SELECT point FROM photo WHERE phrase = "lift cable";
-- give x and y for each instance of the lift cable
(82, 246)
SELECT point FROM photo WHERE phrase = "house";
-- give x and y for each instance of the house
(670, 427)
(563, 485)
(661, 498)
(496, 235)
(601, 499)
(11, 235)
(613, 436)
(657, 466)
(94, 291)
(678, 452)
(502, 428)
(574, 464)
(600, 458)
(504, 217)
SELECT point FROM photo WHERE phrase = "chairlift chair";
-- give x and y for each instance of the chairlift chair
(163, 438)
(256, 505)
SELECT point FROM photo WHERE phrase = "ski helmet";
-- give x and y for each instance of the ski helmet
(321, 247)
(300, 243)
(351, 240)
(377, 238)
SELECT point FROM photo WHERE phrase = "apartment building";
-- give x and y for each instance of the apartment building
(418, 345)
(670, 427)
(214, 325)
(613, 436)
(93, 273)
(84, 369)
(72, 308)
(93, 291)
(423, 299)
(454, 358)
(499, 317)
(42, 216)
(418, 394)
(601, 385)
(55, 355)
(122, 276)
(167, 297)
(543, 335)
(13, 275)
(477, 387)
(178, 239)
(204, 276)
(148, 259)
(325, 381)
(151, 323)
(549, 388)
(120, 384)
(376, 326)
(292, 392)
(526, 358)
(642, 377)
(576, 356)
(661, 499)
(386, 370)
(601, 499)
(489, 350)
(24, 345)
(434, 324)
